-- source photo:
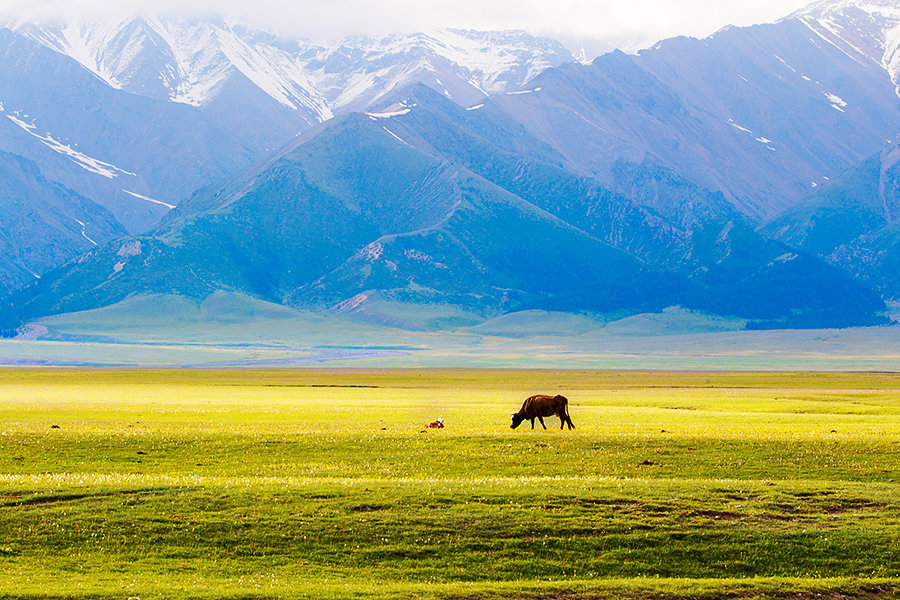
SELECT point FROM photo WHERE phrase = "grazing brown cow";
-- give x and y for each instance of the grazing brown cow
(439, 424)
(540, 406)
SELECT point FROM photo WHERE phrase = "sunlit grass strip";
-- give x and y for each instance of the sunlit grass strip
(126, 480)
(270, 585)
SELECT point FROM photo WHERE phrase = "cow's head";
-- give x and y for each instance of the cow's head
(517, 419)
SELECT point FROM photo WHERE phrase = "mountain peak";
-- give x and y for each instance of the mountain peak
(863, 29)
(193, 61)
(824, 7)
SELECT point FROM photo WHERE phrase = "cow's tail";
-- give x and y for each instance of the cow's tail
(568, 418)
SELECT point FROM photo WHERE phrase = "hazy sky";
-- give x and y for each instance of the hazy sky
(572, 19)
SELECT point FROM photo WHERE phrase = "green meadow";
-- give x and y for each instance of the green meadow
(325, 484)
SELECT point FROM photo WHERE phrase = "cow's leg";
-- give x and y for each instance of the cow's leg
(532, 422)
(541, 419)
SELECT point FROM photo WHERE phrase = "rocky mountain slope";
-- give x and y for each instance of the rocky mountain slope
(43, 222)
(761, 114)
(852, 222)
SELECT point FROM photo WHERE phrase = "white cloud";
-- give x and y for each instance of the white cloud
(571, 19)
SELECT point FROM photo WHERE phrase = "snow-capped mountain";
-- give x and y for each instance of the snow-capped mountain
(464, 65)
(863, 29)
(762, 114)
(195, 61)
(136, 113)
(180, 61)
(104, 143)
(291, 160)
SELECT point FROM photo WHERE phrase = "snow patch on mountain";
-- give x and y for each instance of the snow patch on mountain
(738, 127)
(394, 110)
(395, 136)
(88, 163)
(518, 92)
(836, 100)
(148, 199)
(761, 139)
(85, 235)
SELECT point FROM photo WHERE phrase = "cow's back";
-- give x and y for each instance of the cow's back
(543, 405)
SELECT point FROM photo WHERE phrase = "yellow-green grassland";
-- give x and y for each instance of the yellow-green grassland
(326, 484)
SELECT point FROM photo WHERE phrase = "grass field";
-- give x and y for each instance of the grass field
(319, 484)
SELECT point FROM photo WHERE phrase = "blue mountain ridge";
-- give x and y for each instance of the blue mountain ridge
(425, 202)
(852, 222)
(44, 223)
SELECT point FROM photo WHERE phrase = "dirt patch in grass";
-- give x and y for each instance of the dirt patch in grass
(20, 499)
(720, 515)
(846, 506)
(589, 502)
